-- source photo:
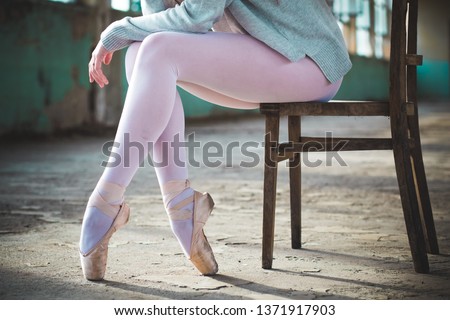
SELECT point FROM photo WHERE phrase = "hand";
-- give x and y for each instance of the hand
(99, 55)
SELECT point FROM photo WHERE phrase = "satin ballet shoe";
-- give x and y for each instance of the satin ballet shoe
(94, 261)
(201, 254)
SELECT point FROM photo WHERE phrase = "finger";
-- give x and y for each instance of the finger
(99, 76)
(90, 69)
(93, 68)
(96, 77)
(102, 78)
(91, 76)
(99, 56)
(97, 72)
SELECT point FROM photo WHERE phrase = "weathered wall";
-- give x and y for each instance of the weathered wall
(46, 48)
(44, 87)
(43, 61)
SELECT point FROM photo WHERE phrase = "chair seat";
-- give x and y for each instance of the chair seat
(331, 108)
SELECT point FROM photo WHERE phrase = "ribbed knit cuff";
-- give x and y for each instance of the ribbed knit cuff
(115, 36)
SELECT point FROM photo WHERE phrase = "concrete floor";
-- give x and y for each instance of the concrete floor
(354, 238)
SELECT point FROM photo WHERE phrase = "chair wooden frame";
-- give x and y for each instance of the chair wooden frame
(405, 143)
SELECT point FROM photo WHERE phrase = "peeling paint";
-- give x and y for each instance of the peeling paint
(44, 66)
(72, 111)
(46, 48)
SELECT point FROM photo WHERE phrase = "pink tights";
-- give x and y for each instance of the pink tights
(227, 69)
(232, 70)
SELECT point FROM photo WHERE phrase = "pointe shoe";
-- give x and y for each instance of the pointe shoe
(201, 254)
(93, 262)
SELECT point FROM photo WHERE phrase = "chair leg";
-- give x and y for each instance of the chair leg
(416, 150)
(422, 190)
(408, 195)
(270, 187)
(295, 184)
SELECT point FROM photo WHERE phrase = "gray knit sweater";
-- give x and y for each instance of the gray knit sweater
(294, 28)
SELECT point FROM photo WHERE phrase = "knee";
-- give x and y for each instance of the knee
(130, 58)
(158, 46)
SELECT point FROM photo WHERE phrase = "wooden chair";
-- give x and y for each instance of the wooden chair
(405, 143)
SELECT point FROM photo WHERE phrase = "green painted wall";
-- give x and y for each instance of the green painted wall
(46, 48)
(434, 79)
(368, 79)
(42, 59)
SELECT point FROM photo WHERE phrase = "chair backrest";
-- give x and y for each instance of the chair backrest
(404, 58)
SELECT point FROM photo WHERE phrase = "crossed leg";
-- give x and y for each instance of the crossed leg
(232, 70)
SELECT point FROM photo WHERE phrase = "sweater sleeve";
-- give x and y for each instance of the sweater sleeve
(196, 16)
(152, 6)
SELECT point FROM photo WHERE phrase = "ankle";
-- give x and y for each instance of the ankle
(172, 189)
(107, 197)
(112, 193)
(183, 201)
(179, 203)
(178, 199)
